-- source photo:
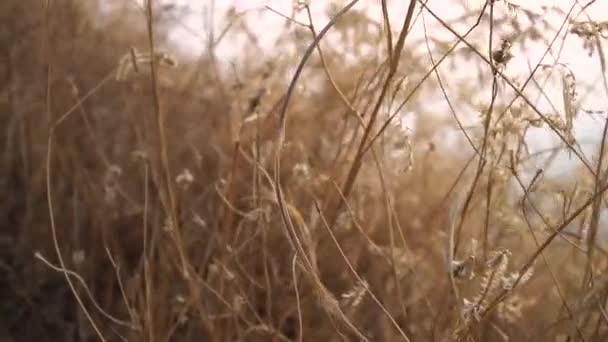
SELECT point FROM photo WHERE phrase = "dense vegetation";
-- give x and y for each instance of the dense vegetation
(150, 196)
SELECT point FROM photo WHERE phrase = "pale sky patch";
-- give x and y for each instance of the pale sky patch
(189, 36)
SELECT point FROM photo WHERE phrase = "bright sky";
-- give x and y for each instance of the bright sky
(189, 35)
(189, 32)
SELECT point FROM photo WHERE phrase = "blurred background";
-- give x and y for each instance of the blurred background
(192, 20)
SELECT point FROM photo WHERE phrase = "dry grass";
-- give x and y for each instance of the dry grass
(150, 201)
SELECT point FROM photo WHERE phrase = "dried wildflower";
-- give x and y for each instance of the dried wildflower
(238, 303)
(501, 175)
(465, 269)
(110, 183)
(569, 96)
(473, 248)
(214, 268)
(557, 122)
(401, 150)
(139, 155)
(184, 179)
(228, 274)
(589, 31)
(179, 299)
(590, 28)
(199, 221)
(131, 62)
(254, 117)
(491, 282)
(78, 257)
(459, 269)
(509, 281)
(302, 169)
(354, 297)
(329, 302)
(584, 229)
(343, 222)
(179, 308)
(300, 5)
(471, 310)
(510, 309)
(503, 55)
(512, 9)
(168, 225)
